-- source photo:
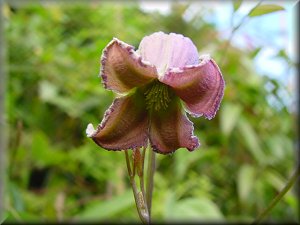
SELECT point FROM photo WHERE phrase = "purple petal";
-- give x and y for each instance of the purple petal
(124, 126)
(201, 87)
(123, 69)
(171, 129)
(168, 50)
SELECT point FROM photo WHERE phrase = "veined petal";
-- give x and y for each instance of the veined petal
(171, 129)
(123, 69)
(168, 50)
(124, 126)
(201, 87)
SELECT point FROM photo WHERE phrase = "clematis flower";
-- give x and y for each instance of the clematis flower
(158, 83)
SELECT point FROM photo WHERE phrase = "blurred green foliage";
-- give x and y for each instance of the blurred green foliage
(55, 173)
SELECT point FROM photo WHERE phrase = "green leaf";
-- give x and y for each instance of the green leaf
(265, 9)
(107, 208)
(237, 4)
(254, 53)
(16, 197)
(274, 179)
(251, 140)
(193, 209)
(40, 149)
(47, 91)
(245, 182)
(185, 161)
(42, 153)
(169, 203)
(229, 117)
(4, 217)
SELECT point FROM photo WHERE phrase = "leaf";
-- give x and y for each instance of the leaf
(193, 209)
(4, 217)
(229, 117)
(265, 9)
(245, 182)
(237, 4)
(276, 148)
(47, 91)
(251, 141)
(169, 203)
(108, 208)
(274, 179)
(16, 197)
(42, 153)
(185, 161)
(40, 149)
(254, 53)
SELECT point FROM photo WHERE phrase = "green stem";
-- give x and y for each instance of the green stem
(150, 179)
(128, 163)
(142, 185)
(287, 187)
(138, 196)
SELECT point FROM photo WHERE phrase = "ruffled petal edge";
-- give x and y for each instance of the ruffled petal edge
(123, 69)
(201, 87)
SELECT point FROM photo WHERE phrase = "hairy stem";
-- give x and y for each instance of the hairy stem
(150, 179)
(287, 187)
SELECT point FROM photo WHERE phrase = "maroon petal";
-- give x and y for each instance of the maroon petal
(123, 69)
(171, 129)
(124, 126)
(201, 87)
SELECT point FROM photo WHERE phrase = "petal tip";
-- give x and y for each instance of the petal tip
(90, 130)
(194, 144)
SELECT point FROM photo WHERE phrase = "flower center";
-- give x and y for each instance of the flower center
(157, 96)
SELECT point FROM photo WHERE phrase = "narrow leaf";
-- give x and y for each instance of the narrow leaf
(237, 4)
(251, 140)
(245, 182)
(229, 116)
(265, 9)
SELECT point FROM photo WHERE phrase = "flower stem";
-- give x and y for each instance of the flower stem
(138, 196)
(141, 176)
(287, 187)
(150, 179)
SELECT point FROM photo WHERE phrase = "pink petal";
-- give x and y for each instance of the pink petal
(168, 50)
(124, 126)
(171, 129)
(123, 69)
(201, 87)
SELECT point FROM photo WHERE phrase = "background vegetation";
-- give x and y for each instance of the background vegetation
(55, 173)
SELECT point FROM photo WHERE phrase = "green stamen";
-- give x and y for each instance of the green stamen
(157, 96)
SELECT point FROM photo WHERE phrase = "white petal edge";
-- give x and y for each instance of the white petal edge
(90, 130)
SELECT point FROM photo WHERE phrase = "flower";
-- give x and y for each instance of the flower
(154, 81)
